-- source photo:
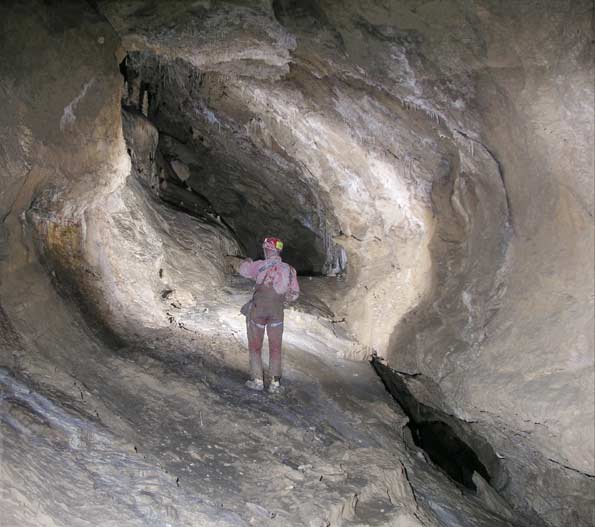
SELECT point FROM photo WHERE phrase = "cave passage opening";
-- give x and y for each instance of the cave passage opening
(210, 167)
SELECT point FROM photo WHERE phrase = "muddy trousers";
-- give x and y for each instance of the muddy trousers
(274, 330)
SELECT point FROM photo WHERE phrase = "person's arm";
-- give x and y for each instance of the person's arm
(249, 269)
(293, 292)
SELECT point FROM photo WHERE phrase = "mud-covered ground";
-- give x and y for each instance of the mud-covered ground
(164, 432)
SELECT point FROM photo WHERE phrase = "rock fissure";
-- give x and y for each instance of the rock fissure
(587, 475)
(433, 431)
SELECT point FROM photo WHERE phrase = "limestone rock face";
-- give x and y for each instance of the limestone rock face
(430, 169)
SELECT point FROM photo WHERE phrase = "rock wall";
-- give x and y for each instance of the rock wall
(520, 356)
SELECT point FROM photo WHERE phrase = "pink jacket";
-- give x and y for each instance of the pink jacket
(275, 273)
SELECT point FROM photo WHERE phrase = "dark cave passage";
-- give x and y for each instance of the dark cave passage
(208, 166)
(447, 441)
(448, 451)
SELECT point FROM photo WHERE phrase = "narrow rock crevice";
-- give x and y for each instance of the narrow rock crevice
(448, 441)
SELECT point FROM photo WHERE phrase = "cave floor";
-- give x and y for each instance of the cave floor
(164, 432)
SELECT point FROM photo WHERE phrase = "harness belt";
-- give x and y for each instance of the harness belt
(271, 324)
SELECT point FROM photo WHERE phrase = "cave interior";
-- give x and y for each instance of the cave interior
(429, 167)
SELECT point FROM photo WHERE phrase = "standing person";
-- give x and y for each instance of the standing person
(276, 282)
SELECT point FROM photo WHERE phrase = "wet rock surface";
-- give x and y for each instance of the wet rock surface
(430, 167)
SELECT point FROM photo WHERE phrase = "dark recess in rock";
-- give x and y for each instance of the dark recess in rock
(439, 435)
(448, 451)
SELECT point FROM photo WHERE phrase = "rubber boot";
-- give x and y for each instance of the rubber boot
(275, 386)
(255, 384)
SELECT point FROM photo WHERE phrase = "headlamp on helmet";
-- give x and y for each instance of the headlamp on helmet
(273, 244)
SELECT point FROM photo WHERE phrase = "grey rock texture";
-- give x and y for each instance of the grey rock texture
(430, 163)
